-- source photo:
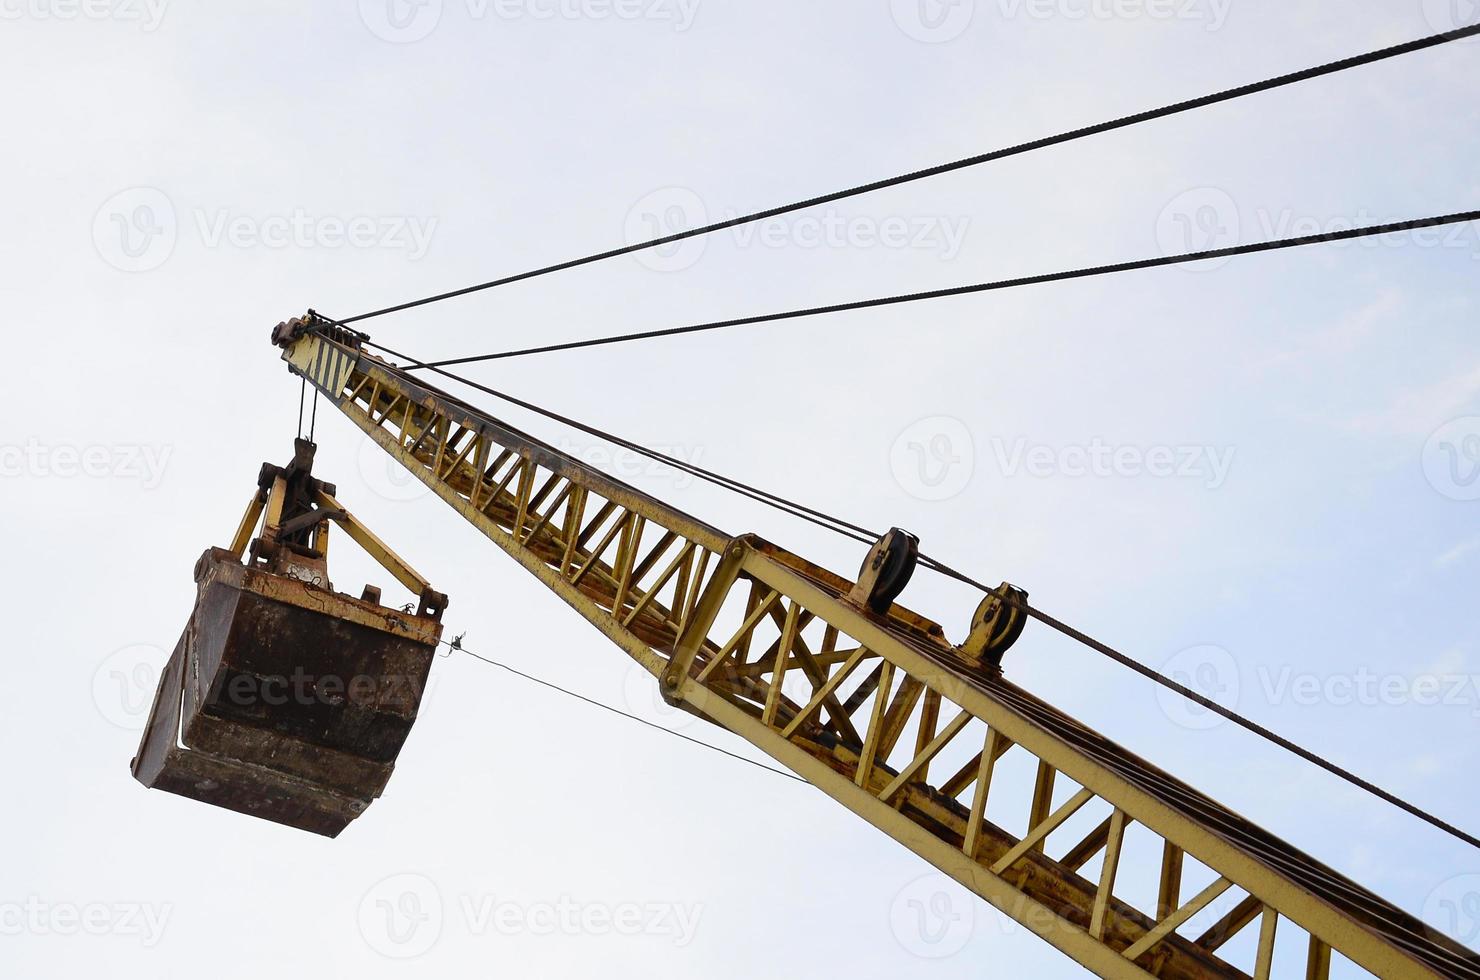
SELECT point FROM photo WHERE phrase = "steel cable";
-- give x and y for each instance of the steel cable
(858, 533)
(1369, 231)
(1123, 122)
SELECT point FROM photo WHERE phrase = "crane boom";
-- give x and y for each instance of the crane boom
(867, 700)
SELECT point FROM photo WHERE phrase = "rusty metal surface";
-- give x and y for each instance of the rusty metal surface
(1368, 911)
(284, 700)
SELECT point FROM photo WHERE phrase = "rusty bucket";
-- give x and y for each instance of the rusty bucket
(284, 699)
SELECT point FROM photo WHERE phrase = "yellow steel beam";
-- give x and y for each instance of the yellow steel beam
(248, 526)
(691, 604)
(373, 546)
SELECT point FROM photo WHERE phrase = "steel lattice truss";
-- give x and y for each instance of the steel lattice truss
(1021, 804)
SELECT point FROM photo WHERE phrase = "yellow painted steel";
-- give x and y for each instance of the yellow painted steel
(373, 546)
(733, 627)
(248, 526)
(265, 511)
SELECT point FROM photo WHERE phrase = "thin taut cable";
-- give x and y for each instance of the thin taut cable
(795, 509)
(629, 716)
(1123, 122)
(1369, 231)
(1208, 703)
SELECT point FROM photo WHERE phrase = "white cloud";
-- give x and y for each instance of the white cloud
(1458, 552)
(1416, 412)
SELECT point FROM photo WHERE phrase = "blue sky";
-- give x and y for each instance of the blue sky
(185, 175)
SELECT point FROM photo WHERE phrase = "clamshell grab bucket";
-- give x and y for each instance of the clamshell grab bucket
(284, 699)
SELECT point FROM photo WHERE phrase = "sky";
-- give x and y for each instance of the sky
(1261, 476)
